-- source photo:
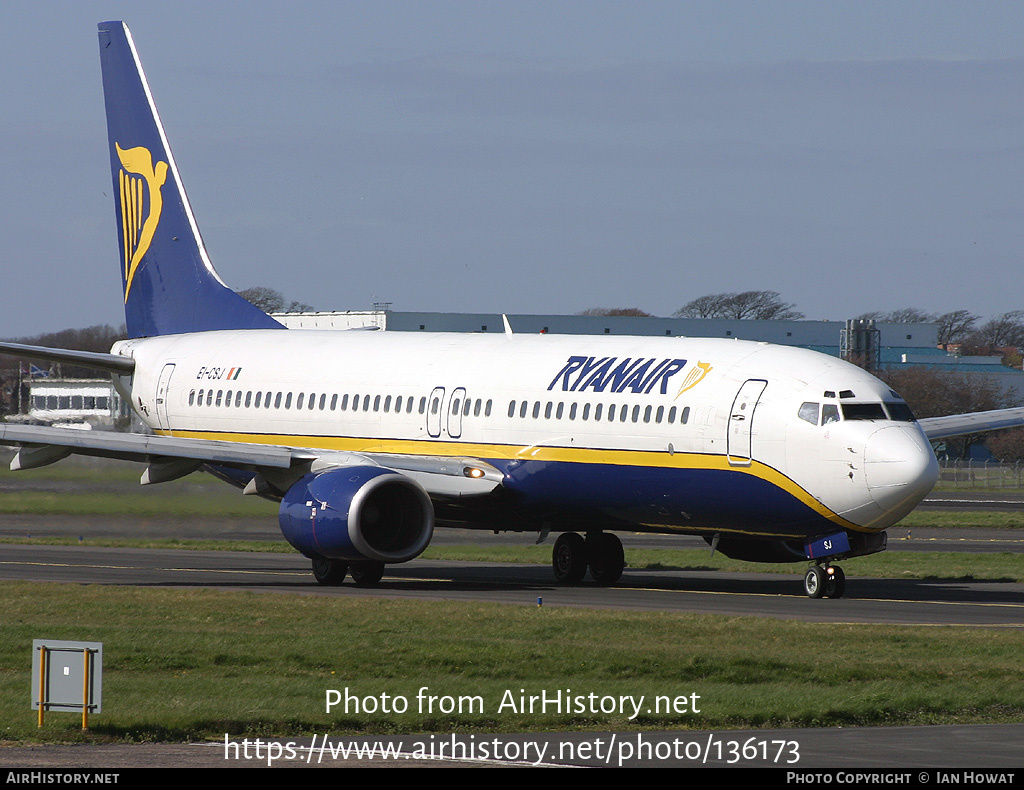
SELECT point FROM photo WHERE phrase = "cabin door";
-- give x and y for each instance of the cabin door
(161, 396)
(741, 421)
(435, 408)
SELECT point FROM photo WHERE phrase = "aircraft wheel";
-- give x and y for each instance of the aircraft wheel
(329, 572)
(836, 584)
(814, 582)
(606, 557)
(569, 558)
(367, 574)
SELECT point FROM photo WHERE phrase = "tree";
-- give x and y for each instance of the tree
(938, 393)
(1006, 445)
(752, 305)
(905, 315)
(955, 327)
(1005, 330)
(633, 312)
(270, 301)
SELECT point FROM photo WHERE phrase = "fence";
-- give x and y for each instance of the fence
(958, 474)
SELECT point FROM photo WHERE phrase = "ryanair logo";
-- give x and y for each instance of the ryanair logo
(640, 375)
(694, 377)
(141, 204)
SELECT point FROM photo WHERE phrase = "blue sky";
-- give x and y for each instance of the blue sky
(535, 157)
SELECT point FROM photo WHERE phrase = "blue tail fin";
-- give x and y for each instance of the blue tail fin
(170, 286)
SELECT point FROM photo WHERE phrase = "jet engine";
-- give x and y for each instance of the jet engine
(357, 513)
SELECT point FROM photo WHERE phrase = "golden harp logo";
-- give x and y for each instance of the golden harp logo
(694, 377)
(141, 204)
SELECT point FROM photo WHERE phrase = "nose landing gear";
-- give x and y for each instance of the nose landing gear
(827, 582)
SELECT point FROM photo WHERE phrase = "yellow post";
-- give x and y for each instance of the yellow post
(42, 682)
(85, 689)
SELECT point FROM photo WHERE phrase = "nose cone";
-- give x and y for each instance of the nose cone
(900, 469)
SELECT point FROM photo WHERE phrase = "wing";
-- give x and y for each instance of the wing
(169, 457)
(957, 424)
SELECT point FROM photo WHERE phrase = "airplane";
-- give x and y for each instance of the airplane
(370, 439)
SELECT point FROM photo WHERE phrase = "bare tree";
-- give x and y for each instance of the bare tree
(1005, 330)
(634, 312)
(270, 301)
(752, 305)
(955, 326)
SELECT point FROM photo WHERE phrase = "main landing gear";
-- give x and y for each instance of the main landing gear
(600, 551)
(827, 582)
(331, 573)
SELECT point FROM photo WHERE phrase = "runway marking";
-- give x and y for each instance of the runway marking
(151, 568)
(912, 539)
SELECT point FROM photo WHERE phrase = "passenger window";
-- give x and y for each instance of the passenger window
(808, 412)
(672, 414)
(685, 416)
(259, 398)
(220, 395)
(248, 399)
(522, 410)
(487, 408)
(192, 397)
(611, 413)
(301, 400)
(511, 408)
(334, 401)
(288, 400)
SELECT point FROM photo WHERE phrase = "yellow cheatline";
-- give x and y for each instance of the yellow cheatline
(582, 455)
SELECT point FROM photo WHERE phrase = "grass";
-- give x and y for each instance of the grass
(187, 664)
(192, 664)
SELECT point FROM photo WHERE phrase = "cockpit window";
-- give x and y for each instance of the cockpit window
(900, 412)
(863, 411)
(809, 412)
(829, 413)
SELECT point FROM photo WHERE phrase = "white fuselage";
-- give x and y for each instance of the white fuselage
(661, 433)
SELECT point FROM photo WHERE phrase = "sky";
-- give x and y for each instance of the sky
(534, 157)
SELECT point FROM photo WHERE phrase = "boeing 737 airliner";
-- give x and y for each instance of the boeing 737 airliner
(369, 439)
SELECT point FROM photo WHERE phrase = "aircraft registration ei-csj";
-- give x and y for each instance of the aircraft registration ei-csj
(369, 439)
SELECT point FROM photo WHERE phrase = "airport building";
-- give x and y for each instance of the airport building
(882, 345)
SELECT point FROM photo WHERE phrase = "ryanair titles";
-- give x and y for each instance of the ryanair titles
(601, 374)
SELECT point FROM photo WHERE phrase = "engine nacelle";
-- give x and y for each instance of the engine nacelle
(357, 513)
